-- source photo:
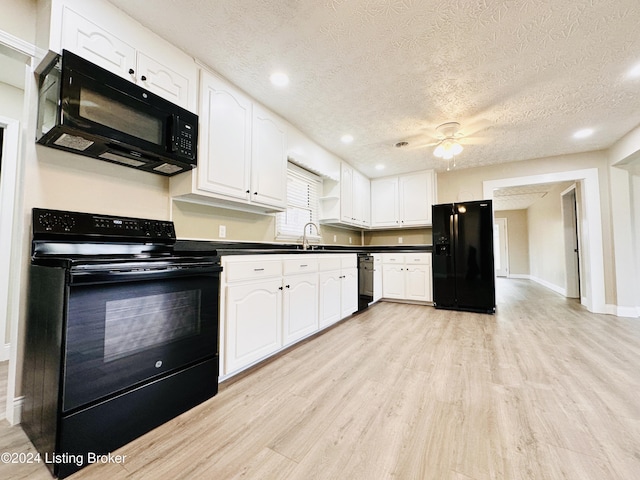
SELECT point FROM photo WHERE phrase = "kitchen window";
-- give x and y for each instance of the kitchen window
(303, 189)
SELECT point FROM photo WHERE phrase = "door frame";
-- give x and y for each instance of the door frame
(593, 292)
(503, 242)
(12, 221)
(572, 248)
(8, 182)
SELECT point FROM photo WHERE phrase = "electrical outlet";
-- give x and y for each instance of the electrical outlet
(335, 238)
(399, 239)
(350, 240)
(222, 231)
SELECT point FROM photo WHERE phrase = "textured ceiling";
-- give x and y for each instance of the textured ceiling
(519, 75)
(522, 197)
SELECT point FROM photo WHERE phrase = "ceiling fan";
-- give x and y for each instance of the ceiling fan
(447, 141)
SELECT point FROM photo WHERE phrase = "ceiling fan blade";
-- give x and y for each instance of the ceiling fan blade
(472, 128)
(475, 140)
(418, 145)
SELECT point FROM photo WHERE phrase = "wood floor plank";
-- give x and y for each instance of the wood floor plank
(543, 389)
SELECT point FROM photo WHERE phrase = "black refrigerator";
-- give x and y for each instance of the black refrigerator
(463, 270)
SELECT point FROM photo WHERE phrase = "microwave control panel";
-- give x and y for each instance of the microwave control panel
(184, 139)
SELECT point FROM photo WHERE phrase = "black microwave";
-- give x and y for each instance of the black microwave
(85, 109)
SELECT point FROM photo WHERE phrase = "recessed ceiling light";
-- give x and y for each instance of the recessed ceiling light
(279, 79)
(347, 138)
(584, 133)
(634, 72)
(380, 167)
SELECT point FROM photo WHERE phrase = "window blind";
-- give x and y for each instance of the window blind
(303, 191)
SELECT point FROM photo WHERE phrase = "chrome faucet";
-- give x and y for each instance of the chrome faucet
(305, 242)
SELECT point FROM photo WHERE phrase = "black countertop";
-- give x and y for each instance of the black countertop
(206, 247)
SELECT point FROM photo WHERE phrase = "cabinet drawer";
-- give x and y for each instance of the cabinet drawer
(392, 258)
(252, 270)
(329, 262)
(418, 258)
(301, 264)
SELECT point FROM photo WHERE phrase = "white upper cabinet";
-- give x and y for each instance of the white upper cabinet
(385, 210)
(225, 139)
(269, 159)
(354, 198)
(164, 81)
(416, 198)
(96, 44)
(242, 160)
(403, 201)
(104, 35)
(346, 193)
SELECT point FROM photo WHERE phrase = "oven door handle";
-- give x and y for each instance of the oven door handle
(89, 276)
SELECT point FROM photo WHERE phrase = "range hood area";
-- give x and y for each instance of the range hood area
(87, 110)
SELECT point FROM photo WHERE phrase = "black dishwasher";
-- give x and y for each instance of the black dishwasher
(365, 280)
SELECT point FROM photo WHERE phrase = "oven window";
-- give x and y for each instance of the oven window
(120, 334)
(136, 324)
(103, 110)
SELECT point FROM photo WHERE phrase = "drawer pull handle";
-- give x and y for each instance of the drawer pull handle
(258, 269)
(303, 266)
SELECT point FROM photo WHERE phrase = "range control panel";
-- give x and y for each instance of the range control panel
(50, 223)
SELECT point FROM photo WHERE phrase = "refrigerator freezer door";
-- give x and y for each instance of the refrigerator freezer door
(475, 276)
(444, 289)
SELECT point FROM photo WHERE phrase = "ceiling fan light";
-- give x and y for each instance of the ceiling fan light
(456, 148)
(439, 151)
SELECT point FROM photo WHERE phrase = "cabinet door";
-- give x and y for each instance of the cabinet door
(366, 202)
(361, 199)
(163, 81)
(225, 139)
(384, 202)
(346, 193)
(349, 288)
(269, 159)
(253, 323)
(330, 291)
(300, 315)
(377, 277)
(416, 199)
(393, 281)
(95, 44)
(417, 283)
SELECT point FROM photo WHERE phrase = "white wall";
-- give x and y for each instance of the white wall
(546, 241)
(518, 241)
(18, 19)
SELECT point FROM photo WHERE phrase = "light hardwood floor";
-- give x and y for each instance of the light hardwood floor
(540, 390)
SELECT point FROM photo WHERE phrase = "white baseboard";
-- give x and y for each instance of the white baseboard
(17, 411)
(630, 312)
(562, 291)
(519, 275)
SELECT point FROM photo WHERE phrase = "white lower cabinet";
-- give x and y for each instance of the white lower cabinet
(300, 317)
(349, 294)
(338, 288)
(377, 277)
(330, 308)
(253, 313)
(407, 276)
(273, 301)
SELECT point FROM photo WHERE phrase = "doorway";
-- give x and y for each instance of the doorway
(592, 287)
(16, 58)
(501, 247)
(571, 241)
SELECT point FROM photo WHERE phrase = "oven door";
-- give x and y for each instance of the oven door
(125, 326)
